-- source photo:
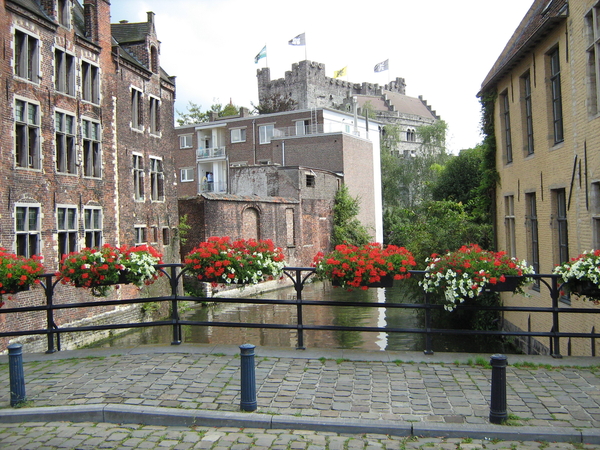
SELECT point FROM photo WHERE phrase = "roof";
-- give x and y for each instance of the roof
(541, 18)
(130, 33)
(246, 198)
(402, 103)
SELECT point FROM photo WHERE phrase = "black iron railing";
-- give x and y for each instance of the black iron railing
(299, 276)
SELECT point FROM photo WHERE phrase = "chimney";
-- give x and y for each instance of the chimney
(151, 19)
(90, 17)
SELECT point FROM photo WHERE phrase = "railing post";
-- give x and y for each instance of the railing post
(174, 311)
(498, 412)
(593, 344)
(248, 378)
(50, 325)
(428, 344)
(299, 285)
(17, 379)
(555, 293)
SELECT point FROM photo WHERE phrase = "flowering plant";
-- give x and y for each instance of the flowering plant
(219, 260)
(138, 264)
(583, 269)
(467, 271)
(353, 267)
(99, 268)
(18, 272)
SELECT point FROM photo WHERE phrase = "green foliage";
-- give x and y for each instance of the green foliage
(275, 103)
(432, 227)
(184, 228)
(194, 113)
(346, 227)
(368, 110)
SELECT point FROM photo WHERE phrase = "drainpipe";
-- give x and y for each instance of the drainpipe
(254, 139)
(355, 108)
(283, 153)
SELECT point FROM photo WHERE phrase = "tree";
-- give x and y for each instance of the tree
(275, 103)
(194, 113)
(346, 227)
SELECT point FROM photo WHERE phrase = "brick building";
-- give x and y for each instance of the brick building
(309, 86)
(547, 131)
(85, 115)
(307, 143)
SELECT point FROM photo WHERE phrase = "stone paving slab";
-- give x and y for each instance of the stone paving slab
(342, 391)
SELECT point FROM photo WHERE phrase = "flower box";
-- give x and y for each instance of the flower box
(370, 265)
(581, 275)
(100, 268)
(18, 273)
(245, 261)
(470, 271)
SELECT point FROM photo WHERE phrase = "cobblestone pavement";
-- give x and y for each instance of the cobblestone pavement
(91, 436)
(443, 389)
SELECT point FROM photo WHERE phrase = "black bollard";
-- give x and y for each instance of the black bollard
(498, 412)
(15, 373)
(248, 381)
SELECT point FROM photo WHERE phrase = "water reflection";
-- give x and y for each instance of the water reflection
(312, 315)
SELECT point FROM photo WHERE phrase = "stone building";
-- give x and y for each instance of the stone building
(311, 147)
(547, 131)
(309, 86)
(86, 111)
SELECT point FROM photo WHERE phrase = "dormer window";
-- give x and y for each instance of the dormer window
(63, 12)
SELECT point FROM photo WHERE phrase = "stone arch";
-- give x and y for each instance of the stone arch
(251, 223)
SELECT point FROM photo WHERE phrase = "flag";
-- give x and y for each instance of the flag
(261, 54)
(298, 40)
(340, 73)
(382, 66)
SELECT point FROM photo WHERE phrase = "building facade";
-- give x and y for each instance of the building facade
(547, 130)
(309, 87)
(85, 115)
(345, 145)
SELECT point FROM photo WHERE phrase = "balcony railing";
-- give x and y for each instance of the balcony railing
(314, 129)
(219, 186)
(214, 152)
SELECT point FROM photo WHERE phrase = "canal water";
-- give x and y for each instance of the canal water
(321, 315)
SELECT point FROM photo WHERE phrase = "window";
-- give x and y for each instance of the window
(154, 234)
(595, 210)
(533, 252)
(505, 113)
(27, 135)
(290, 227)
(302, 127)
(66, 226)
(187, 174)
(310, 180)
(265, 133)
(140, 234)
(562, 232)
(92, 225)
(65, 143)
(154, 115)
(153, 59)
(592, 22)
(238, 135)
(157, 180)
(138, 178)
(63, 15)
(64, 72)
(26, 56)
(411, 135)
(92, 156)
(136, 109)
(166, 236)
(90, 83)
(527, 112)
(27, 230)
(185, 141)
(509, 225)
(557, 118)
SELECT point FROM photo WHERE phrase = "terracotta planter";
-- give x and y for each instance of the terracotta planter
(510, 284)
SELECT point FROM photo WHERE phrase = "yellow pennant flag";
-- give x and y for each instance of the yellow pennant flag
(340, 73)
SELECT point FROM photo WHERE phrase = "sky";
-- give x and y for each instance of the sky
(442, 48)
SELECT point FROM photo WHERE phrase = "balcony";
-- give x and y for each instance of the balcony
(206, 153)
(314, 129)
(213, 186)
